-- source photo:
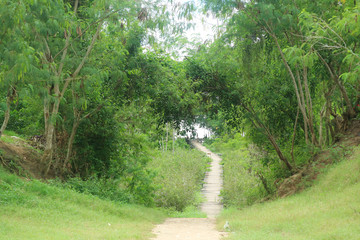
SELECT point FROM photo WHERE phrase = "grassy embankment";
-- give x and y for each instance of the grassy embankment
(328, 210)
(30, 209)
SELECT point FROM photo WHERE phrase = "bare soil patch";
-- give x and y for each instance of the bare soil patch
(21, 158)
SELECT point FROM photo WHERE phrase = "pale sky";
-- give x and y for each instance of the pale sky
(204, 28)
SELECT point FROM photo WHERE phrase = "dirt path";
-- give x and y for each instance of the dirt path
(198, 228)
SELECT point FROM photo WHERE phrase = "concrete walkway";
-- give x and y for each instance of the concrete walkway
(198, 228)
(213, 184)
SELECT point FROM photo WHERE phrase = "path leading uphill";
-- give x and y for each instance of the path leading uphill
(198, 228)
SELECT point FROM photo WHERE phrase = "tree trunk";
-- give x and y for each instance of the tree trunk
(6, 117)
(10, 97)
(322, 115)
(46, 114)
(301, 105)
(173, 141)
(349, 107)
(293, 138)
(167, 136)
(314, 140)
(258, 124)
(264, 182)
(49, 138)
(71, 141)
(298, 93)
(279, 152)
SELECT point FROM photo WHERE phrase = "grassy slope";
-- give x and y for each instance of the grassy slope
(328, 210)
(34, 210)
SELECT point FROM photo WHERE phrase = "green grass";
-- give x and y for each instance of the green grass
(328, 210)
(7, 137)
(30, 209)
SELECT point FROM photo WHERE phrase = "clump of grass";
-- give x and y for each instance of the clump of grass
(328, 210)
(179, 178)
(30, 209)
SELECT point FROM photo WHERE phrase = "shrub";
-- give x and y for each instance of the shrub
(179, 177)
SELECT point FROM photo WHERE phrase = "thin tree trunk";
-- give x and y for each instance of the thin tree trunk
(264, 182)
(173, 142)
(258, 124)
(329, 129)
(167, 136)
(314, 140)
(293, 138)
(302, 103)
(49, 137)
(321, 130)
(335, 77)
(75, 126)
(297, 92)
(12, 93)
(46, 113)
(76, 123)
(162, 143)
(7, 113)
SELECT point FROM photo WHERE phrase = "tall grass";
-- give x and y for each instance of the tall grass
(328, 210)
(179, 177)
(30, 209)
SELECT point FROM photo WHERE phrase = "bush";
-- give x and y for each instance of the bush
(179, 177)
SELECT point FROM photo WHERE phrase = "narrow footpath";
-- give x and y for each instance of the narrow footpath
(198, 228)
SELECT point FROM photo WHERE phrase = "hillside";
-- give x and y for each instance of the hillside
(327, 210)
